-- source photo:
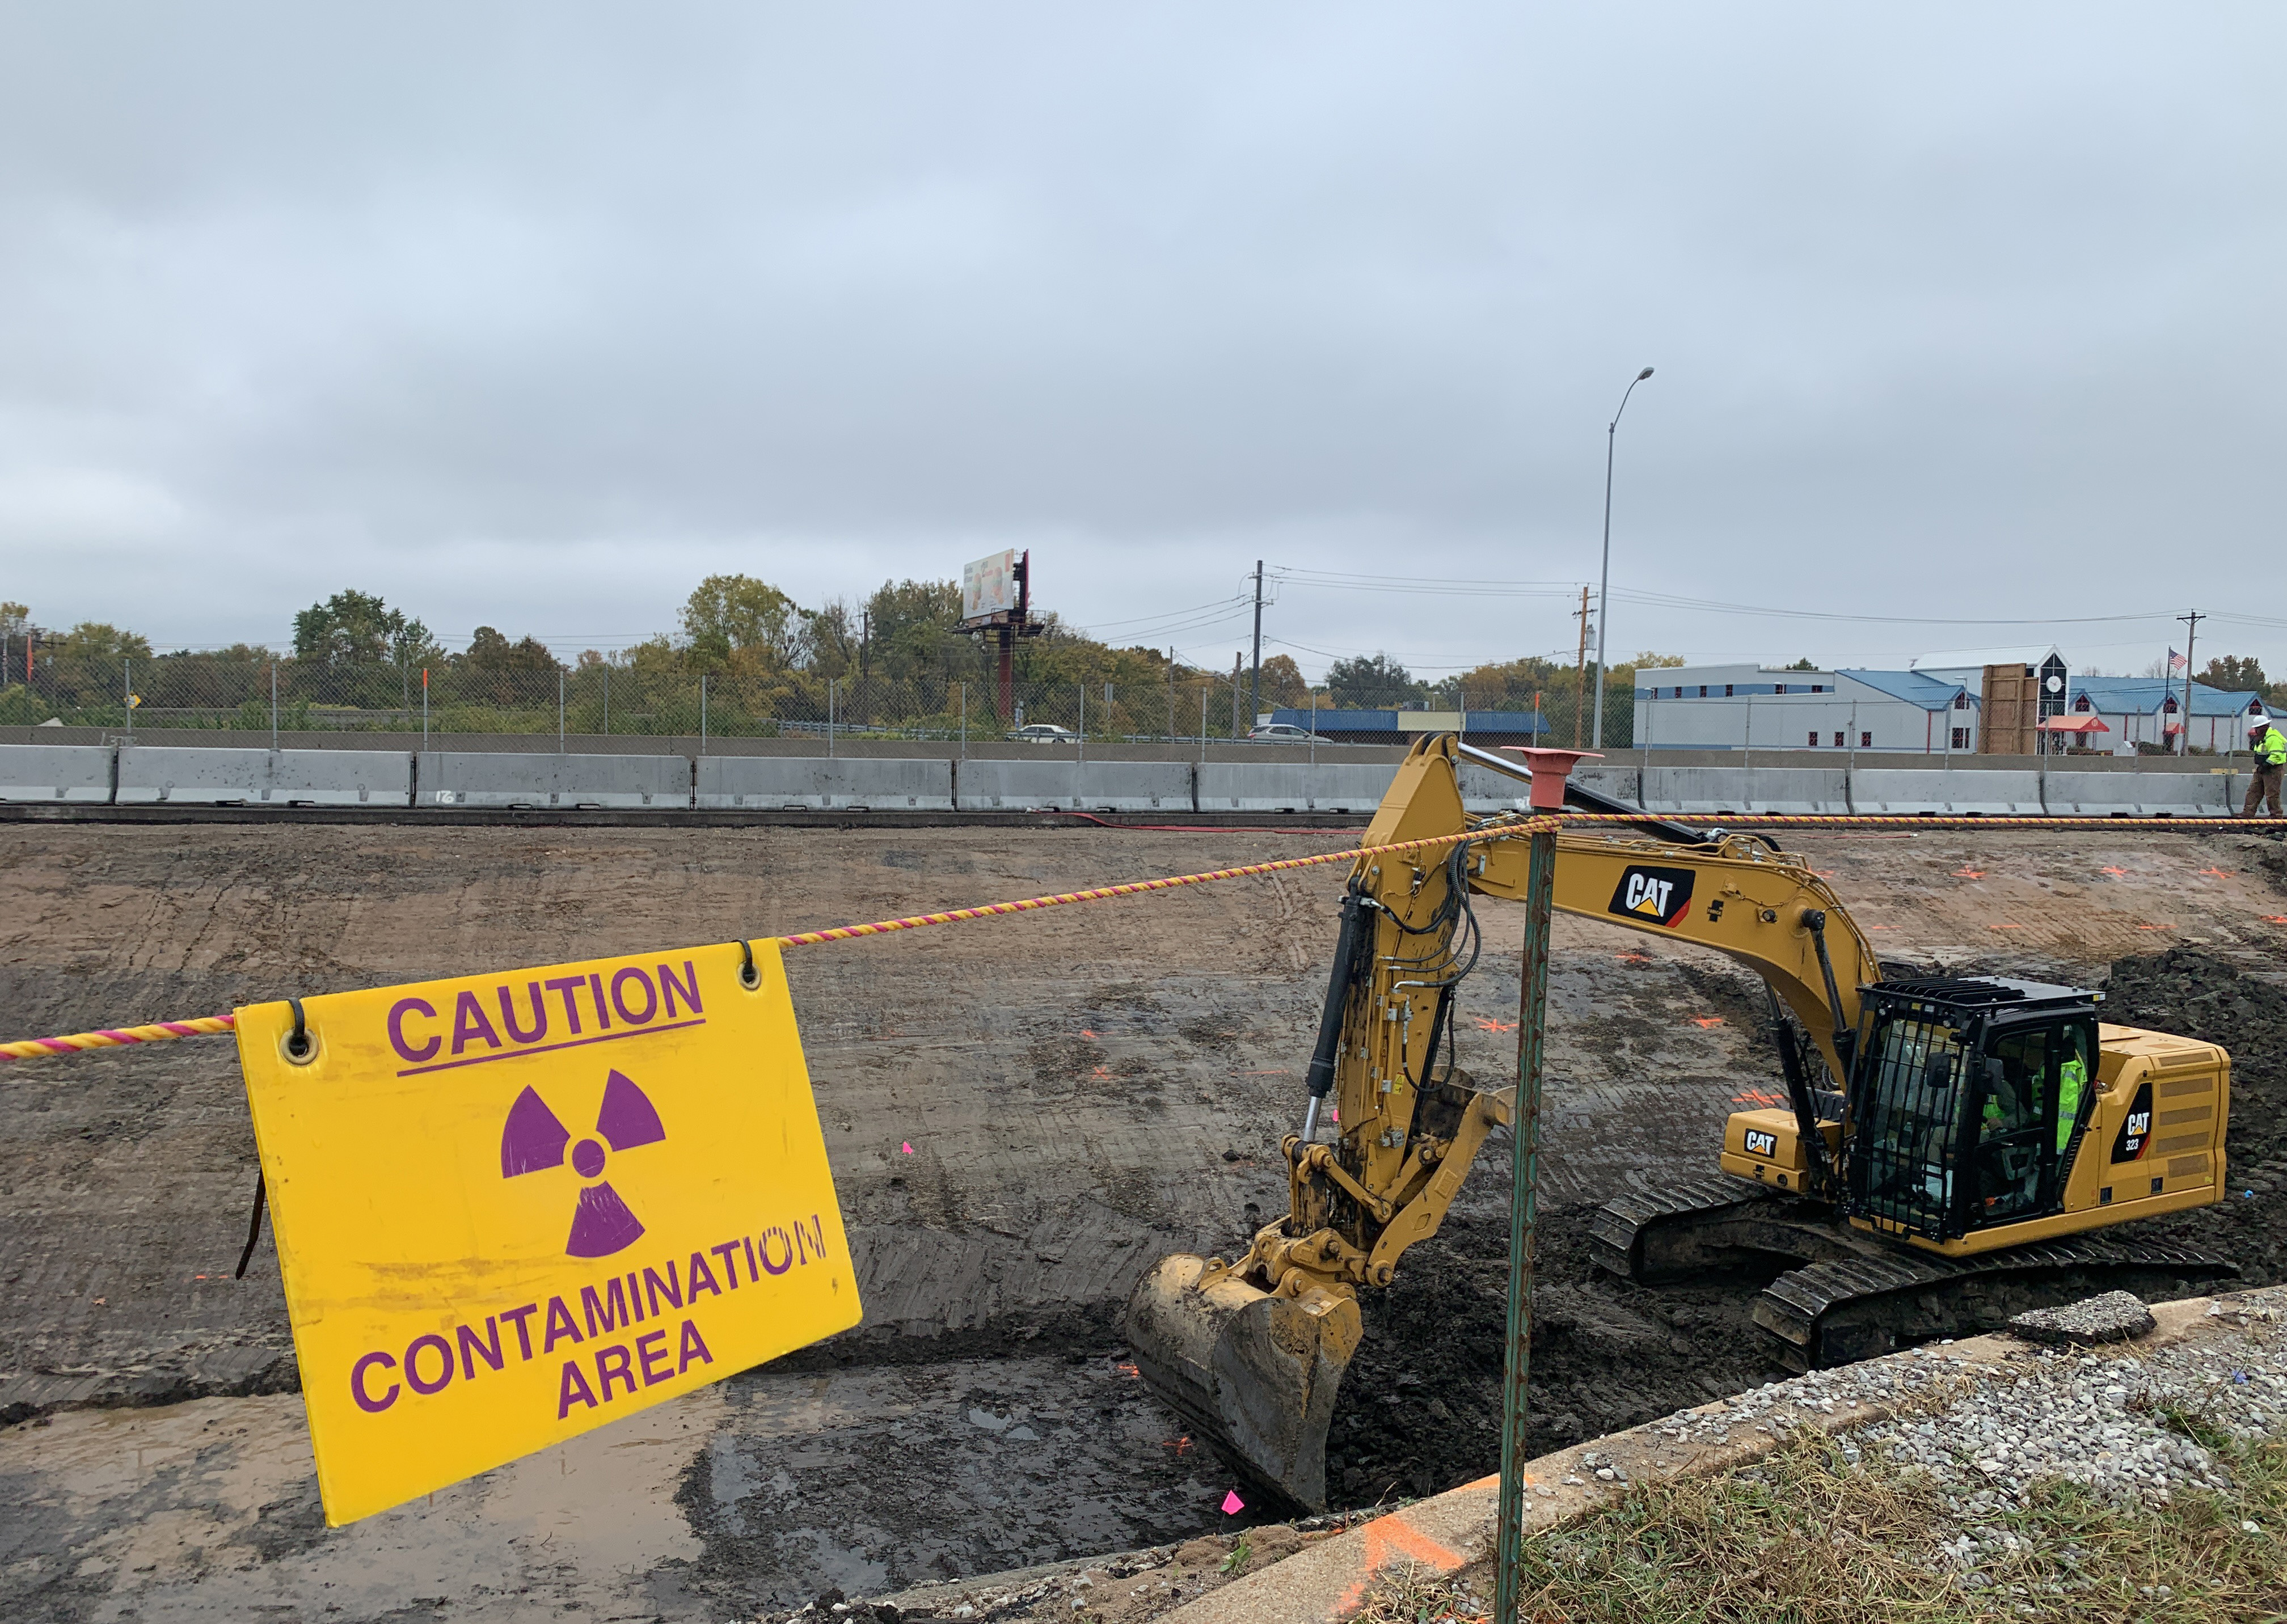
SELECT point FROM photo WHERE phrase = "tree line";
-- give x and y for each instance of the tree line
(740, 626)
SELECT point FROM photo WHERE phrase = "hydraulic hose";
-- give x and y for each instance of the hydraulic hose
(1356, 929)
(1845, 1039)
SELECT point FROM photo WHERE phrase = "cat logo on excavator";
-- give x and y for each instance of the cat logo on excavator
(1660, 895)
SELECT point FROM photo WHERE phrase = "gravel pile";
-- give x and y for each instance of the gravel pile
(1917, 1378)
(2118, 1423)
(2115, 1316)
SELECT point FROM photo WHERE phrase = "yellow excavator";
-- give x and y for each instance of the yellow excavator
(1953, 1151)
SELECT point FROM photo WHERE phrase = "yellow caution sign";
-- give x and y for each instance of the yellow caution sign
(510, 1208)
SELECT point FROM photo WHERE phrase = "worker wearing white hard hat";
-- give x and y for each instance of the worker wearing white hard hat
(2268, 746)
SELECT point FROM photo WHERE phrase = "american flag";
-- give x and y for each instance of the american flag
(2175, 662)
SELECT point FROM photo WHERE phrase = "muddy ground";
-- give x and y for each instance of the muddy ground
(1083, 1089)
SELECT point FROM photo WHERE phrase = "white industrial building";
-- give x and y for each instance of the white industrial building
(1756, 707)
(1927, 712)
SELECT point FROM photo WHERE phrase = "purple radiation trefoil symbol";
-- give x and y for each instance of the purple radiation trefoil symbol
(533, 1141)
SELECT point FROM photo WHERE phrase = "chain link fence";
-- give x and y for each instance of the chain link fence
(187, 692)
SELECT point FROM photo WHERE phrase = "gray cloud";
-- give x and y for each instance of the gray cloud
(531, 315)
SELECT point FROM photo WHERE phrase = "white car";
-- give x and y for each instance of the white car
(1280, 733)
(1043, 733)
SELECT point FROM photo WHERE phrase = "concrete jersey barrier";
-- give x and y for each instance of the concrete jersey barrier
(171, 775)
(2141, 794)
(1883, 791)
(1073, 787)
(1736, 790)
(55, 773)
(883, 784)
(1277, 786)
(630, 783)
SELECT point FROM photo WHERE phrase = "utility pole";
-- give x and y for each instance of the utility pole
(1580, 687)
(865, 641)
(2192, 631)
(1254, 690)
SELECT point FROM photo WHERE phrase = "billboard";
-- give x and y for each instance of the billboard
(988, 587)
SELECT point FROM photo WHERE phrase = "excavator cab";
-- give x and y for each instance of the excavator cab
(1962, 1096)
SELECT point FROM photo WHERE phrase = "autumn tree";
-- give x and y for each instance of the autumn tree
(1373, 682)
(912, 631)
(2235, 674)
(489, 650)
(357, 628)
(1282, 685)
(98, 640)
(736, 620)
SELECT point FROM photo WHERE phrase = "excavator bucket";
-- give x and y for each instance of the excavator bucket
(1254, 1375)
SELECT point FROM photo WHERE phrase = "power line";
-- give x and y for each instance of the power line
(1448, 587)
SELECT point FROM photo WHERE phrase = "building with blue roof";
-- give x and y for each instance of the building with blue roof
(1932, 711)
(2149, 710)
(1760, 708)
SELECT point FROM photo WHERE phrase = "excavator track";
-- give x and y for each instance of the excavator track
(1856, 1294)
(1834, 1312)
(1722, 1222)
(1616, 1234)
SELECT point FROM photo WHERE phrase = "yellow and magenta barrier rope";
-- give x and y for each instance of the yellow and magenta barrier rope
(112, 1038)
(39, 1048)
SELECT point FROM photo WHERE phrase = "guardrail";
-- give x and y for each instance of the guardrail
(148, 775)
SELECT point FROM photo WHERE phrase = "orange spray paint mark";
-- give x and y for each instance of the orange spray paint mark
(1388, 1537)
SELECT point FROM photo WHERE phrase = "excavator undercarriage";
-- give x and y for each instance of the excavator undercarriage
(1950, 1152)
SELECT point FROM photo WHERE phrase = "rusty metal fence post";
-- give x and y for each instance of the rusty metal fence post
(1524, 1169)
(1550, 768)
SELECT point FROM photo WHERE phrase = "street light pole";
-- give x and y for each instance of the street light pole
(1604, 586)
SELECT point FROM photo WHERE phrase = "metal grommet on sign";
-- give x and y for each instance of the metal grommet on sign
(299, 1047)
(750, 977)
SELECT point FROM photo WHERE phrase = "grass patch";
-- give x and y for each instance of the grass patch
(1805, 1537)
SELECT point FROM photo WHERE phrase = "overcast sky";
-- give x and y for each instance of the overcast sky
(532, 315)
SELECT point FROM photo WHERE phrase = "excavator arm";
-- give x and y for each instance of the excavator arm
(1252, 1351)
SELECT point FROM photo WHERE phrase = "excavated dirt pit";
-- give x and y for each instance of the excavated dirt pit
(1083, 1090)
